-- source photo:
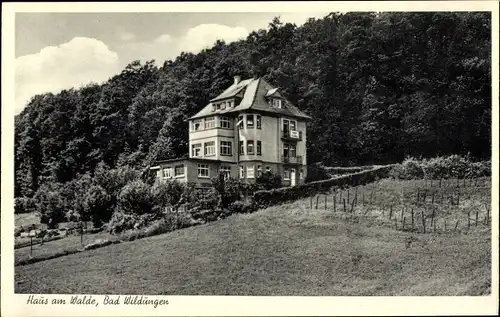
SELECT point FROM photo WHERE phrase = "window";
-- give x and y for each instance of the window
(241, 123)
(289, 125)
(289, 150)
(196, 150)
(259, 170)
(218, 106)
(286, 174)
(197, 125)
(223, 105)
(226, 148)
(250, 148)
(268, 169)
(225, 122)
(226, 170)
(242, 172)
(209, 122)
(301, 175)
(249, 121)
(213, 107)
(167, 172)
(250, 171)
(242, 147)
(259, 148)
(179, 170)
(259, 125)
(277, 103)
(209, 148)
(203, 170)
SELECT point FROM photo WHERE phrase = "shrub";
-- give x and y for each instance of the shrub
(97, 206)
(122, 222)
(242, 206)
(453, 166)
(24, 205)
(268, 180)
(136, 197)
(50, 204)
(167, 193)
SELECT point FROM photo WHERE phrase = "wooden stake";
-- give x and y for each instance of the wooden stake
(477, 216)
(344, 205)
(404, 220)
(458, 198)
(31, 244)
(402, 212)
(317, 200)
(334, 204)
(311, 203)
(348, 199)
(326, 201)
(390, 213)
(423, 220)
(468, 220)
(412, 220)
(456, 225)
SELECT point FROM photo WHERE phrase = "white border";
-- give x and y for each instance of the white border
(14, 305)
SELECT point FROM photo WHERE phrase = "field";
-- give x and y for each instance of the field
(301, 248)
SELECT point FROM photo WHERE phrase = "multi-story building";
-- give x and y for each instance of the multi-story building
(248, 129)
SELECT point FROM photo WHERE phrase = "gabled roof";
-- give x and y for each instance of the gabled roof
(255, 93)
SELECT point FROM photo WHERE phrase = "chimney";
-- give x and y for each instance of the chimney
(237, 79)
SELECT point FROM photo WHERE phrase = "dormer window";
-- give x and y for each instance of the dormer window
(277, 103)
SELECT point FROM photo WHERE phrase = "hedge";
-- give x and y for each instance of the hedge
(266, 198)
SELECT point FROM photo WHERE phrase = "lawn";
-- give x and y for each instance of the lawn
(291, 250)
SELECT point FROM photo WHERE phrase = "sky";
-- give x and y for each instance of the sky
(56, 51)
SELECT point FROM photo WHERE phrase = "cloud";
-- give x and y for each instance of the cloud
(127, 36)
(205, 35)
(164, 38)
(73, 64)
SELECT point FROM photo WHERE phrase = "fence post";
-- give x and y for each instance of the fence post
(412, 220)
(468, 220)
(326, 201)
(344, 205)
(311, 202)
(433, 197)
(456, 225)
(348, 194)
(445, 225)
(390, 212)
(396, 223)
(402, 212)
(404, 220)
(477, 216)
(423, 220)
(317, 199)
(31, 244)
(334, 204)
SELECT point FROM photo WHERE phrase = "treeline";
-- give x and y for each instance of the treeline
(380, 87)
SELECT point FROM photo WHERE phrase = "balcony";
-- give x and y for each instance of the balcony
(291, 159)
(291, 135)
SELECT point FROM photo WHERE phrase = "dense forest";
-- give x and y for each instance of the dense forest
(379, 87)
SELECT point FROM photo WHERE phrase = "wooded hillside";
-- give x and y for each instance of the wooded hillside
(379, 87)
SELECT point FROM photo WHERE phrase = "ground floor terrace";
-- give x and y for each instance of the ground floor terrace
(201, 171)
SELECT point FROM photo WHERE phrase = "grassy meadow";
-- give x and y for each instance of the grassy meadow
(293, 249)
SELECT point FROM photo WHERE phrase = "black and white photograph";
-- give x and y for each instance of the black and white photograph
(321, 153)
